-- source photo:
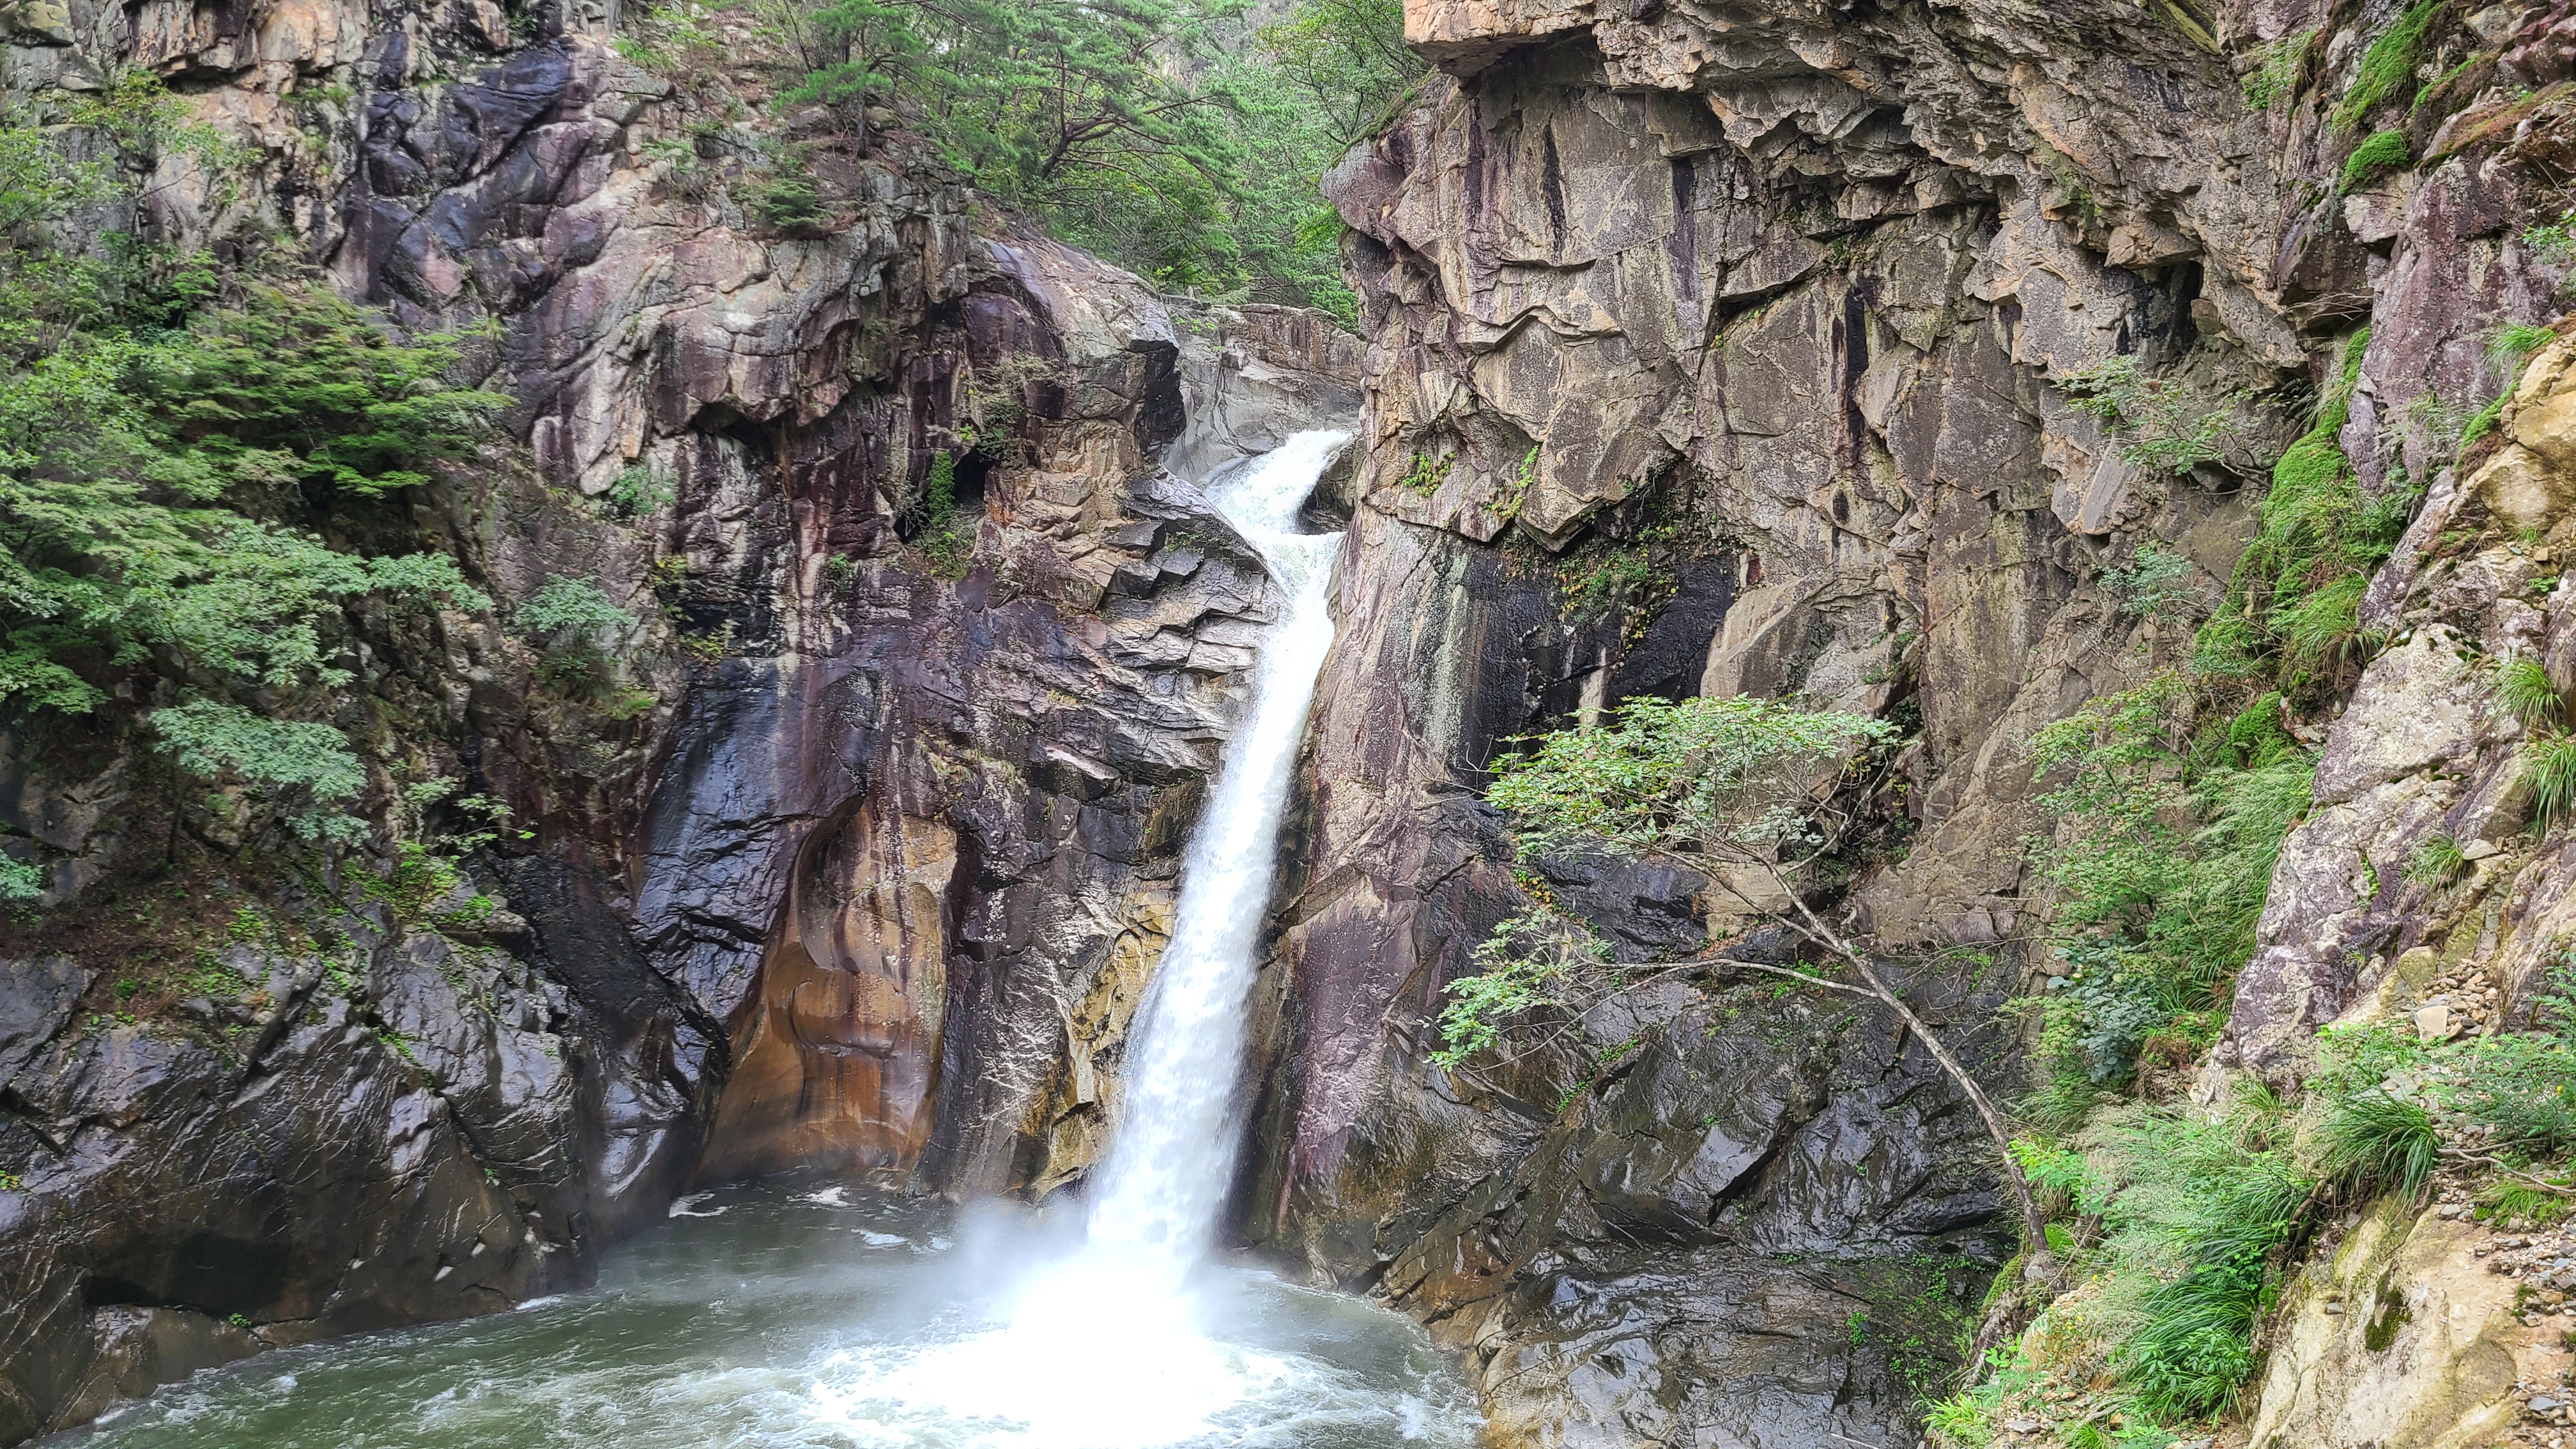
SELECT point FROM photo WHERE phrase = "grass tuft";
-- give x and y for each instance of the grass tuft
(2523, 690)
(2552, 758)
(2436, 862)
(2372, 1142)
(2385, 150)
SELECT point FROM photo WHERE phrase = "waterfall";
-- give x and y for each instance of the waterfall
(1156, 1198)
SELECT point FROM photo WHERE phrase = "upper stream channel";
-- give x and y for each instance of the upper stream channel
(817, 1314)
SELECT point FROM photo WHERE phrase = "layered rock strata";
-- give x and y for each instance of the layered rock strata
(1738, 349)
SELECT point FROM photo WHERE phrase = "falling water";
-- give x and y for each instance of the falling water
(1160, 1190)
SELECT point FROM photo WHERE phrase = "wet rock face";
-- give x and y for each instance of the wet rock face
(400, 1143)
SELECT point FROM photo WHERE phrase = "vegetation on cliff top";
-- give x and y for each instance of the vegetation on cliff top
(1171, 136)
(188, 452)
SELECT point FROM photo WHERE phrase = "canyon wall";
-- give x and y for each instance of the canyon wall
(1737, 349)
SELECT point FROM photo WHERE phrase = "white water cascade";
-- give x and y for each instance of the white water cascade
(1156, 1198)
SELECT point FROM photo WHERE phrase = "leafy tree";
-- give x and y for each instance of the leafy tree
(1722, 787)
(278, 759)
(1348, 58)
(159, 449)
(1150, 131)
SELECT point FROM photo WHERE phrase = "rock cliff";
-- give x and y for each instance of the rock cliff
(1724, 348)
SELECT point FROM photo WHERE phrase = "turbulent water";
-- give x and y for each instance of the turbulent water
(822, 1318)
(761, 1318)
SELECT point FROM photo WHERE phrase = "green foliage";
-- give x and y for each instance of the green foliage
(785, 199)
(157, 449)
(2483, 421)
(2276, 78)
(567, 609)
(20, 880)
(2192, 1210)
(2382, 151)
(2293, 604)
(1734, 775)
(2508, 1200)
(2388, 65)
(2156, 580)
(2372, 1142)
(572, 618)
(2436, 861)
(2510, 346)
(2162, 860)
(1523, 966)
(2551, 758)
(297, 765)
(641, 490)
(2161, 424)
(942, 535)
(2551, 242)
(1138, 128)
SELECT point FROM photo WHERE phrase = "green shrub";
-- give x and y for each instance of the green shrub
(785, 201)
(20, 880)
(2483, 421)
(2522, 1087)
(290, 762)
(2161, 862)
(2161, 423)
(2157, 579)
(1524, 966)
(567, 608)
(640, 490)
(2383, 151)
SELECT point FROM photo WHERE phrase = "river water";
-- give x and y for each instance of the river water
(818, 1315)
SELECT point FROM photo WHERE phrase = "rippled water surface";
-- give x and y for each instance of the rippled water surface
(823, 1317)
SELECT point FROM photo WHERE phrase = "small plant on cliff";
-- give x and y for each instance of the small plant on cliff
(2383, 151)
(2551, 759)
(2161, 423)
(570, 618)
(2156, 580)
(21, 880)
(2525, 692)
(2436, 862)
(2388, 65)
(1729, 788)
(2511, 345)
(2275, 76)
(641, 490)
